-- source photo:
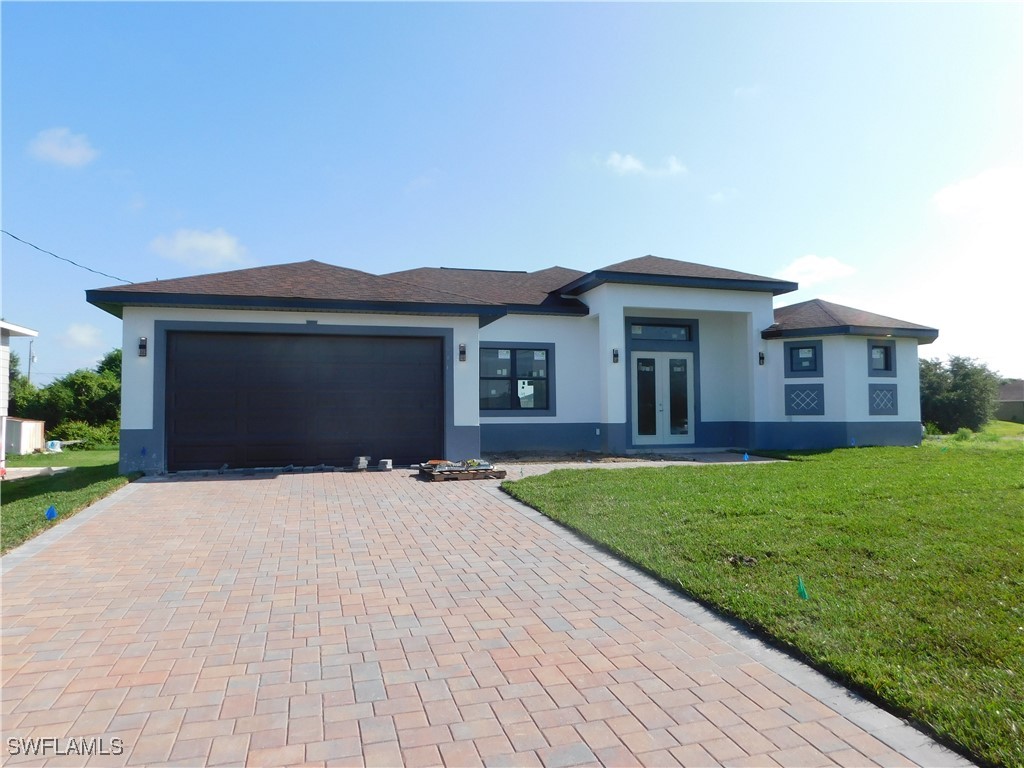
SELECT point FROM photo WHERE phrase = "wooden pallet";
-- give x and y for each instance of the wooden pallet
(434, 475)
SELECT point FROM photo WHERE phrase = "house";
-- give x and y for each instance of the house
(1010, 401)
(309, 363)
(7, 330)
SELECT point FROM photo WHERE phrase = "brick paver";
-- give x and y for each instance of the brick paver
(373, 619)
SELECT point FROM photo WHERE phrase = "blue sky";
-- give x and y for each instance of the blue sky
(873, 152)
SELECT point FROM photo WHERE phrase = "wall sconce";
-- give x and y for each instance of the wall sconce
(462, 353)
(615, 355)
(143, 344)
(760, 358)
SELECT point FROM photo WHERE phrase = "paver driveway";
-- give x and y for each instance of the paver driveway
(349, 619)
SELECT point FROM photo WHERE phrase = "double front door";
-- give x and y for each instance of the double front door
(662, 397)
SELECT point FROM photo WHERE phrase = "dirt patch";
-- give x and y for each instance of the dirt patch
(587, 457)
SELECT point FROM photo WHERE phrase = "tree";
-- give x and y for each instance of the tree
(111, 363)
(90, 396)
(20, 389)
(959, 393)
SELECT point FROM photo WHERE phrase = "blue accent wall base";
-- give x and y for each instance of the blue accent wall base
(795, 436)
(567, 438)
(779, 436)
(461, 443)
(142, 450)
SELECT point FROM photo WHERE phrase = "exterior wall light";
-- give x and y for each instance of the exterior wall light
(462, 353)
(760, 358)
(615, 355)
(143, 345)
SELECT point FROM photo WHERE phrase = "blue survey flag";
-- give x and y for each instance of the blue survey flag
(51, 513)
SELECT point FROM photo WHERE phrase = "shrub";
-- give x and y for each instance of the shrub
(959, 393)
(91, 436)
(963, 434)
(931, 429)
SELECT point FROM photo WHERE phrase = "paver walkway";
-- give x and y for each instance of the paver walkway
(374, 619)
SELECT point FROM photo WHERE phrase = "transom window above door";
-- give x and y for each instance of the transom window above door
(514, 379)
(660, 332)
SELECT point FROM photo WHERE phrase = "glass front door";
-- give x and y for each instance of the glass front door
(662, 397)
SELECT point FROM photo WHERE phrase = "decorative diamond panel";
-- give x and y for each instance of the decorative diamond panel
(805, 400)
(882, 400)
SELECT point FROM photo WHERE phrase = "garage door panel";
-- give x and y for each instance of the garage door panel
(253, 400)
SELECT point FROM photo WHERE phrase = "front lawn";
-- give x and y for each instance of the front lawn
(67, 458)
(23, 502)
(912, 558)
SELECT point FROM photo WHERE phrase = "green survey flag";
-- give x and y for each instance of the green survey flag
(800, 588)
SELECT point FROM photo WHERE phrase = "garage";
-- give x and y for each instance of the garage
(270, 400)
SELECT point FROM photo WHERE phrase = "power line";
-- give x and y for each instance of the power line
(69, 261)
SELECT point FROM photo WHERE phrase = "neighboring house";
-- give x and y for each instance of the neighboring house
(7, 330)
(309, 363)
(1011, 401)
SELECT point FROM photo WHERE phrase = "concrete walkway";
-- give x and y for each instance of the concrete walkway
(344, 619)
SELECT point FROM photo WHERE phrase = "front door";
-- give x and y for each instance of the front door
(662, 397)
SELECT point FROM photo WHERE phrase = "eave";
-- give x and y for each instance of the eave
(923, 335)
(599, 277)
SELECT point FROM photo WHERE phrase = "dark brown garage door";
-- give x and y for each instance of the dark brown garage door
(270, 400)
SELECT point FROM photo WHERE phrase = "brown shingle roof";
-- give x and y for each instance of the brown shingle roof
(656, 265)
(654, 270)
(817, 316)
(312, 280)
(510, 288)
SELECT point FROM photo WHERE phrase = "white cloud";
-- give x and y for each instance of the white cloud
(422, 182)
(993, 196)
(215, 249)
(810, 270)
(60, 146)
(629, 165)
(81, 336)
(722, 196)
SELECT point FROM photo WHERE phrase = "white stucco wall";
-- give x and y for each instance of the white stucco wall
(730, 323)
(137, 389)
(576, 360)
(845, 379)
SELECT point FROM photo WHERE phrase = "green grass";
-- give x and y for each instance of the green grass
(66, 459)
(23, 503)
(913, 560)
(1003, 430)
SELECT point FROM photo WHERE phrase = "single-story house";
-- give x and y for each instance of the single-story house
(1010, 403)
(310, 363)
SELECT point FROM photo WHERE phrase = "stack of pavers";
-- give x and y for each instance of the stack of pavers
(471, 469)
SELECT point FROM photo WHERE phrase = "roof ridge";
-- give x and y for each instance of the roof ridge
(826, 308)
(486, 302)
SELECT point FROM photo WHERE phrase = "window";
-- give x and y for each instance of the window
(514, 379)
(803, 359)
(660, 332)
(881, 357)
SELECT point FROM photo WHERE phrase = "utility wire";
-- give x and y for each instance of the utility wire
(69, 261)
